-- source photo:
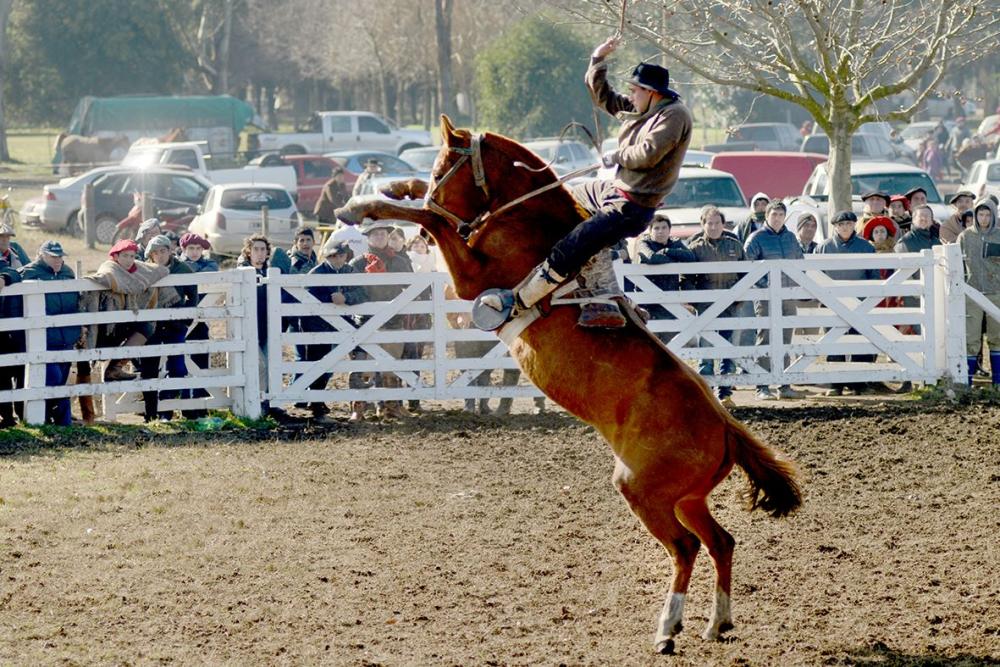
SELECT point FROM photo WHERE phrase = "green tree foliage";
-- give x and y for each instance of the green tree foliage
(61, 50)
(530, 80)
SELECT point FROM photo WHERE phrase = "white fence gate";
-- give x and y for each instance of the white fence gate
(910, 320)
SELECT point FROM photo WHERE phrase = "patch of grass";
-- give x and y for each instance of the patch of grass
(958, 394)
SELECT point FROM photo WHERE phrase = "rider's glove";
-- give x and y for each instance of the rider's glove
(609, 159)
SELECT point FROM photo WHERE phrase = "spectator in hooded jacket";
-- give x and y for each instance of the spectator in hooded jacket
(657, 248)
(757, 219)
(715, 245)
(846, 240)
(50, 265)
(980, 245)
(773, 241)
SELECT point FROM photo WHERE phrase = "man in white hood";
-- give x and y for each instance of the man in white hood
(756, 220)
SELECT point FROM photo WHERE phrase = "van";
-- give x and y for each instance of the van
(776, 173)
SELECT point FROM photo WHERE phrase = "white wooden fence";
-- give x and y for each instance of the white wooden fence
(922, 340)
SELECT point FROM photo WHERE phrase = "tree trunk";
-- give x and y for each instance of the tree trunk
(223, 66)
(442, 31)
(5, 6)
(839, 166)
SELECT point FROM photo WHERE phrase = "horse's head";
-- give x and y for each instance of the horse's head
(475, 184)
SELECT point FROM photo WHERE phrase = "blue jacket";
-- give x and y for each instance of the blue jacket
(917, 240)
(353, 294)
(852, 246)
(203, 264)
(56, 303)
(768, 244)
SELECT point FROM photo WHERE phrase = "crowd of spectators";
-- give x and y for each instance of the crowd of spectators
(890, 223)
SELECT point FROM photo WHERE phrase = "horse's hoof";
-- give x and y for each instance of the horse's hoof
(348, 215)
(665, 647)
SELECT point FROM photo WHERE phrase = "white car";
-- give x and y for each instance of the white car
(697, 187)
(984, 178)
(565, 156)
(888, 177)
(56, 210)
(232, 211)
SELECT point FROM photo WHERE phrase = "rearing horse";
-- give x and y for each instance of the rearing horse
(673, 442)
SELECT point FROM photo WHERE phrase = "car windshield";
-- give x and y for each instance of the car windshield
(696, 192)
(421, 158)
(895, 184)
(254, 199)
(993, 173)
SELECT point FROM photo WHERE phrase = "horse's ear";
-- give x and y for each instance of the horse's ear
(448, 133)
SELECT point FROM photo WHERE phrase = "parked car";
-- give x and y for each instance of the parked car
(565, 156)
(115, 194)
(344, 130)
(767, 136)
(984, 178)
(696, 187)
(59, 205)
(863, 147)
(311, 173)
(353, 163)
(778, 173)
(421, 159)
(888, 177)
(692, 157)
(232, 211)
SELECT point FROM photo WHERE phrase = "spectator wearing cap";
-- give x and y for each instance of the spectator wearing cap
(655, 246)
(334, 195)
(128, 286)
(12, 255)
(757, 219)
(715, 245)
(336, 261)
(980, 245)
(875, 204)
(805, 232)
(51, 265)
(193, 249)
(168, 332)
(380, 258)
(774, 241)
(147, 230)
(881, 232)
(845, 241)
(899, 211)
(961, 202)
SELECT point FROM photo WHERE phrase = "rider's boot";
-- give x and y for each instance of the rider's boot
(530, 291)
(598, 279)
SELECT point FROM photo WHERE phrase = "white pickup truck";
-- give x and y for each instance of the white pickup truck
(344, 130)
(189, 154)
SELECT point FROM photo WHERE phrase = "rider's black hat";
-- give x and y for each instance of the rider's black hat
(653, 77)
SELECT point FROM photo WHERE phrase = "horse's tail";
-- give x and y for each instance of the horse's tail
(773, 485)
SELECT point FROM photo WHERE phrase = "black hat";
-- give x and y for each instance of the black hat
(844, 216)
(869, 195)
(653, 77)
(961, 193)
(909, 195)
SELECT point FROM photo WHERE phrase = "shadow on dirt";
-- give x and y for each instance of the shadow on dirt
(880, 655)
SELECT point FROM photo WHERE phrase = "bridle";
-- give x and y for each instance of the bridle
(474, 154)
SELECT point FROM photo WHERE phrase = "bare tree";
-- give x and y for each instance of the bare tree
(5, 7)
(840, 60)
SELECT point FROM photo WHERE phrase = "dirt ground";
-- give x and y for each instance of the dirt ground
(460, 540)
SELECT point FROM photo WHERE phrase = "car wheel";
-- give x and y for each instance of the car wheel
(107, 228)
(74, 224)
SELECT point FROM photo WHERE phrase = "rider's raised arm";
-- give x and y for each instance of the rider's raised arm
(601, 92)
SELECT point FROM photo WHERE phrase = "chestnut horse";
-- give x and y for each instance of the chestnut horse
(672, 441)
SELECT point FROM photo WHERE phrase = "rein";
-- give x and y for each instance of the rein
(474, 154)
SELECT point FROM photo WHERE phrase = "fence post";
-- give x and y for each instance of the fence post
(265, 221)
(275, 326)
(775, 311)
(246, 401)
(950, 319)
(87, 211)
(34, 409)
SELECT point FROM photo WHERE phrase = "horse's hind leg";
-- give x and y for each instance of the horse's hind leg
(694, 514)
(679, 542)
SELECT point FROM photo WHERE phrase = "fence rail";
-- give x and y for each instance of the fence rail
(906, 325)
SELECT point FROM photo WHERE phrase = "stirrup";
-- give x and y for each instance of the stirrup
(485, 315)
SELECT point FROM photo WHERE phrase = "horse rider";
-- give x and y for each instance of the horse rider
(655, 133)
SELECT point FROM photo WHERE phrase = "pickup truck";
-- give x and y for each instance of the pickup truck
(190, 154)
(330, 131)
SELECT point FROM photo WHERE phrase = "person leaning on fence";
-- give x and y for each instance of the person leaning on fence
(336, 257)
(846, 241)
(715, 245)
(380, 258)
(657, 248)
(128, 286)
(168, 332)
(50, 265)
(148, 230)
(193, 248)
(774, 241)
(980, 245)
(334, 195)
